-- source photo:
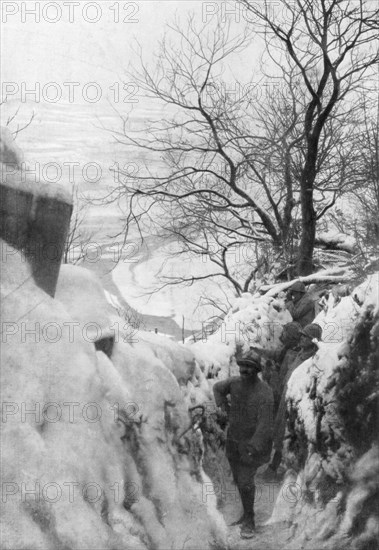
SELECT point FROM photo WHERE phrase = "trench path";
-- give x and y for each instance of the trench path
(274, 536)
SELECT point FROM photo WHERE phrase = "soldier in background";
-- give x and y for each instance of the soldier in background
(308, 348)
(300, 304)
(277, 362)
(290, 339)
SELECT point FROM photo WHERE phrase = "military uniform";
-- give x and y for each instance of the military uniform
(302, 311)
(249, 437)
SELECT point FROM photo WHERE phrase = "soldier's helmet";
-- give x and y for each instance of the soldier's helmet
(313, 331)
(250, 359)
(297, 286)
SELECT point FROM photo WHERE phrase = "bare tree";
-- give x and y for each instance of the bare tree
(213, 192)
(331, 46)
(202, 195)
(366, 189)
(78, 237)
(360, 217)
(12, 119)
(248, 174)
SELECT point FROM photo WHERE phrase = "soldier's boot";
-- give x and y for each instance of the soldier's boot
(248, 525)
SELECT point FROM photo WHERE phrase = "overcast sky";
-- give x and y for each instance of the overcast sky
(81, 51)
(77, 67)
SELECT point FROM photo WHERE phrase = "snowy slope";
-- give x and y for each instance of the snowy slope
(101, 449)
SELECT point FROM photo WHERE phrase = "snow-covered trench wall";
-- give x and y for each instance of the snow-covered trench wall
(331, 448)
(92, 451)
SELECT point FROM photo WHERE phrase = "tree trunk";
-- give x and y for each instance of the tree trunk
(308, 214)
(308, 233)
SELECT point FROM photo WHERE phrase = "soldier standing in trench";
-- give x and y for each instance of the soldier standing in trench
(308, 347)
(249, 438)
(300, 304)
(278, 362)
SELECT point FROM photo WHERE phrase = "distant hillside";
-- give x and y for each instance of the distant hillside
(165, 325)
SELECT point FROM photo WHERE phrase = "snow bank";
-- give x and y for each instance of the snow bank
(96, 437)
(341, 315)
(332, 429)
(336, 240)
(331, 275)
(254, 321)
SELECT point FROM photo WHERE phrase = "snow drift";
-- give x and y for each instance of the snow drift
(90, 451)
(253, 321)
(97, 445)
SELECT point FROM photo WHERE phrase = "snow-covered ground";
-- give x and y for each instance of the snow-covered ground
(139, 282)
(102, 449)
